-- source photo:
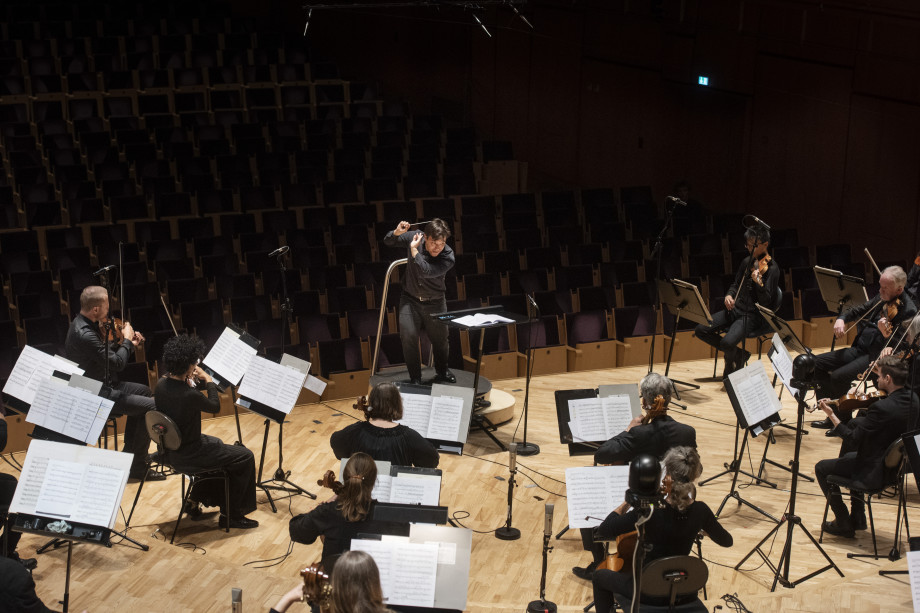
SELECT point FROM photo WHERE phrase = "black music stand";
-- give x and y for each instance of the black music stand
(738, 386)
(682, 299)
(222, 382)
(839, 291)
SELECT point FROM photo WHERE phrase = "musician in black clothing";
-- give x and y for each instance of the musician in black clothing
(670, 531)
(865, 441)
(879, 317)
(741, 319)
(7, 491)
(423, 294)
(85, 346)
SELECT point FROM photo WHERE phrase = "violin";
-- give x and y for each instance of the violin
(361, 404)
(891, 311)
(655, 411)
(853, 401)
(620, 561)
(113, 330)
(317, 587)
(760, 269)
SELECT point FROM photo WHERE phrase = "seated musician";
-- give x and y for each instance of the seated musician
(355, 586)
(654, 433)
(381, 437)
(670, 531)
(9, 539)
(178, 398)
(865, 441)
(84, 345)
(349, 513)
(879, 317)
(756, 282)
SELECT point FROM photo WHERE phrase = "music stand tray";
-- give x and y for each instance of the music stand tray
(786, 334)
(839, 290)
(683, 300)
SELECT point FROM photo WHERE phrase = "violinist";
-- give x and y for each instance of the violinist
(381, 437)
(877, 319)
(653, 433)
(865, 441)
(178, 398)
(89, 343)
(756, 282)
(670, 531)
(348, 513)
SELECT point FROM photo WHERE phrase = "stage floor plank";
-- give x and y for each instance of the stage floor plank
(505, 575)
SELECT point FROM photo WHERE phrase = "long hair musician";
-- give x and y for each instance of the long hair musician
(381, 437)
(355, 587)
(177, 396)
(671, 529)
(348, 513)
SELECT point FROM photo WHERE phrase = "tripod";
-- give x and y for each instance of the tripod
(790, 519)
(734, 467)
(279, 482)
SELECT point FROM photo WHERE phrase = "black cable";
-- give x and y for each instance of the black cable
(456, 520)
(275, 561)
(13, 462)
(734, 603)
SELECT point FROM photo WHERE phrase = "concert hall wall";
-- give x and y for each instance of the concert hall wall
(811, 117)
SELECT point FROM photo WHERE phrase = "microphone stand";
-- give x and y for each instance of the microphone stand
(543, 605)
(506, 532)
(657, 251)
(525, 448)
(639, 557)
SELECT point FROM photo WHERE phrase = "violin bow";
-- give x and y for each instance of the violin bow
(874, 265)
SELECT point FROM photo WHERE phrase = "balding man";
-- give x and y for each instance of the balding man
(836, 370)
(85, 345)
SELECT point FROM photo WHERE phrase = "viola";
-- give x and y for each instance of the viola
(329, 481)
(620, 561)
(761, 269)
(361, 404)
(655, 411)
(317, 587)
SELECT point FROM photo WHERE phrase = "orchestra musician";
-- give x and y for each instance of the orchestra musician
(355, 586)
(670, 531)
(423, 294)
(177, 396)
(756, 282)
(85, 344)
(381, 437)
(653, 433)
(350, 512)
(878, 318)
(10, 538)
(865, 441)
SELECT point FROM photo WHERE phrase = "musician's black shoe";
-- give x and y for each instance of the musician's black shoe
(831, 432)
(243, 523)
(586, 573)
(152, 475)
(858, 520)
(823, 423)
(27, 563)
(192, 509)
(414, 381)
(839, 528)
(446, 377)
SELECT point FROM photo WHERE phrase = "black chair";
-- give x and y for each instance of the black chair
(892, 475)
(167, 437)
(674, 577)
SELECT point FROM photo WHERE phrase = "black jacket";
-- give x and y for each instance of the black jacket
(654, 438)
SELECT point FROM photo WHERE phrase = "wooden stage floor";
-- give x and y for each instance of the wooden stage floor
(505, 575)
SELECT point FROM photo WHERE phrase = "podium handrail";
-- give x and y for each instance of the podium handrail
(383, 309)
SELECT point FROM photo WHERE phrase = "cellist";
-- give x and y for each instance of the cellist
(653, 433)
(878, 318)
(670, 531)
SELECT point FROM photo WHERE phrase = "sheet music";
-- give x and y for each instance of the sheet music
(81, 484)
(593, 492)
(444, 422)
(272, 384)
(408, 571)
(754, 393)
(382, 488)
(315, 385)
(588, 414)
(413, 488)
(913, 569)
(32, 367)
(617, 412)
(782, 363)
(230, 357)
(416, 412)
(482, 319)
(70, 411)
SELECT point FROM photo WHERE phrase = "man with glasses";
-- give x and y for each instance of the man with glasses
(755, 283)
(424, 294)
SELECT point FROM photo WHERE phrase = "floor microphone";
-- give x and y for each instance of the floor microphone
(548, 520)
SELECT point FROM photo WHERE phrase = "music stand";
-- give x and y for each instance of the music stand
(786, 334)
(746, 389)
(839, 291)
(225, 364)
(682, 299)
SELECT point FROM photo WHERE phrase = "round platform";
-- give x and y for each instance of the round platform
(401, 375)
(502, 407)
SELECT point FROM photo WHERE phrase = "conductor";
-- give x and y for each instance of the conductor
(430, 257)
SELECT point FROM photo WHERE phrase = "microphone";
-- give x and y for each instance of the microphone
(676, 200)
(754, 221)
(512, 457)
(279, 251)
(104, 270)
(548, 520)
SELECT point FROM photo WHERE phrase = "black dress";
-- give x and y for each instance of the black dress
(400, 445)
(337, 532)
(184, 406)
